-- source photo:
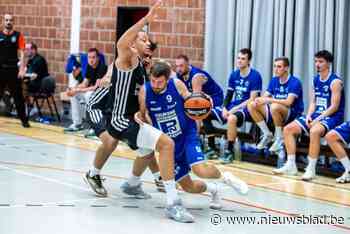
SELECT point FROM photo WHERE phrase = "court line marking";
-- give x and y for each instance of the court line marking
(290, 194)
(51, 204)
(258, 206)
(276, 183)
(51, 179)
(276, 177)
(21, 145)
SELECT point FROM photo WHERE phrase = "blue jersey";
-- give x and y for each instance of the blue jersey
(243, 86)
(168, 115)
(291, 87)
(323, 95)
(210, 87)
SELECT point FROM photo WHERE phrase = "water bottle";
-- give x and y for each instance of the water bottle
(322, 160)
(222, 145)
(237, 150)
(281, 158)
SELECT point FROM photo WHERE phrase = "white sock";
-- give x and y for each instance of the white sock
(291, 159)
(171, 192)
(312, 163)
(156, 175)
(211, 187)
(346, 163)
(278, 132)
(263, 127)
(94, 171)
(134, 180)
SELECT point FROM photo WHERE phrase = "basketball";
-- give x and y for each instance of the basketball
(197, 106)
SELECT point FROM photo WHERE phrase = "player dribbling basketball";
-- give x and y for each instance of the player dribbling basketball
(162, 103)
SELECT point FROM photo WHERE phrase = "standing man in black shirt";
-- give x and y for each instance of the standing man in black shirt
(36, 67)
(83, 91)
(11, 52)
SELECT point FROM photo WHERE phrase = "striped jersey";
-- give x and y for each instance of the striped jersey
(124, 91)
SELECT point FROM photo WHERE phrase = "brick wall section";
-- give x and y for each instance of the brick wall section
(179, 28)
(47, 23)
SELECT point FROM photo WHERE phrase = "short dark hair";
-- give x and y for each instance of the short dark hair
(285, 61)
(153, 45)
(183, 56)
(161, 69)
(93, 50)
(33, 46)
(325, 54)
(247, 51)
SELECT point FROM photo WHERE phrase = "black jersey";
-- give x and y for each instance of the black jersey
(124, 94)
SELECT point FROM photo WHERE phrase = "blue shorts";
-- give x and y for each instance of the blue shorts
(192, 154)
(193, 150)
(343, 131)
(182, 168)
(329, 122)
(292, 115)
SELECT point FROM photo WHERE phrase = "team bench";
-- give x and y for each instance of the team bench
(262, 157)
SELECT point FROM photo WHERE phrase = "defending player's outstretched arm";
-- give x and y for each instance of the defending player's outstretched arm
(126, 40)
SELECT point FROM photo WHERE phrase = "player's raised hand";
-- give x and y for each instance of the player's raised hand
(152, 15)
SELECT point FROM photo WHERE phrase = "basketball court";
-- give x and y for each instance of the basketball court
(41, 170)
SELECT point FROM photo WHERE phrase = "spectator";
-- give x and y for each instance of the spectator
(36, 68)
(11, 44)
(82, 91)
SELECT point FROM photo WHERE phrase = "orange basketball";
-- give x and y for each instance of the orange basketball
(197, 106)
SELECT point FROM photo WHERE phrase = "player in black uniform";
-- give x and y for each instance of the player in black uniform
(128, 75)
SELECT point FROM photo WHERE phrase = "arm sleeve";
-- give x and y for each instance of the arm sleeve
(228, 97)
(21, 42)
(231, 82)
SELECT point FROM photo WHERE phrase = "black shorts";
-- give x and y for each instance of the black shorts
(99, 127)
(240, 118)
(129, 135)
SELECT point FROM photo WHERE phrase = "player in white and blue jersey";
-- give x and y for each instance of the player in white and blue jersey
(326, 111)
(161, 103)
(337, 139)
(244, 85)
(281, 104)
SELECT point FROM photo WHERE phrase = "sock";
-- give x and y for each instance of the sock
(346, 163)
(230, 146)
(134, 180)
(263, 127)
(312, 163)
(291, 158)
(171, 192)
(278, 132)
(94, 171)
(156, 175)
(211, 187)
